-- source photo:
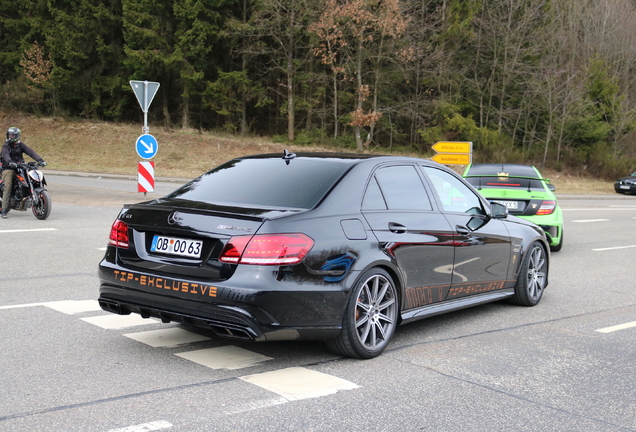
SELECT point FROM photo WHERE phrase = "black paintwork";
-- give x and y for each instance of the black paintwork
(440, 260)
(626, 184)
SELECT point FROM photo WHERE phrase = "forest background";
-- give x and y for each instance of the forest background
(547, 82)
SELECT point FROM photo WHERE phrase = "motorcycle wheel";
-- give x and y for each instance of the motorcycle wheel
(43, 210)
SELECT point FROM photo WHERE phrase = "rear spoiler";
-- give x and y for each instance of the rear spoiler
(254, 214)
(519, 177)
(479, 187)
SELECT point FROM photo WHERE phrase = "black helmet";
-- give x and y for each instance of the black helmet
(13, 135)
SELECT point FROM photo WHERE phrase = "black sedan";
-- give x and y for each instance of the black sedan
(335, 247)
(626, 184)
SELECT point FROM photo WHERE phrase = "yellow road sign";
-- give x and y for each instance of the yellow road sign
(452, 158)
(453, 147)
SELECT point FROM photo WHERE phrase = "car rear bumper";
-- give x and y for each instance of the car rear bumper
(552, 225)
(286, 312)
(553, 233)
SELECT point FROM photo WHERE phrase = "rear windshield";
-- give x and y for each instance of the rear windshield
(505, 182)
(269, 183)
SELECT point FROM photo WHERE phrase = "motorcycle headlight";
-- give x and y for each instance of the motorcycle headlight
(36, 175)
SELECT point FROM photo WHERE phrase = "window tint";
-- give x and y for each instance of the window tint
(454, 195)
(401, 188)
(265, 183)
(373, 199)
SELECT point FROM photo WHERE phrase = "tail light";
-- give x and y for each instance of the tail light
(547, 207)
(267, 249)
(119, 234)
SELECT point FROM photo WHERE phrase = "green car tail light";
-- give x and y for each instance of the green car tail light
(547, 207)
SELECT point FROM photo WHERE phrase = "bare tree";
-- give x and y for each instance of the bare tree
(360, 34)
(282, 27)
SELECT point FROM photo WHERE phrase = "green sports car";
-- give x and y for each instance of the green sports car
(525, 193)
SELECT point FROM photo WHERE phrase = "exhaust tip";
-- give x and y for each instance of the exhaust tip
(113, 307)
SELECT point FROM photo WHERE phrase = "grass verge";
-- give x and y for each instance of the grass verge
(101, 147)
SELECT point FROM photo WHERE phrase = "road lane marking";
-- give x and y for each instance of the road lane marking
(598, 209)
(20, 306)
(68, 307)
(71, 307)
(297, 383)
(27, 230)
(112, 322)
(227, 357)
(591, 220)
(614, 248)
(255, 405)
(617, 327)
(145, 427)
(167, 338)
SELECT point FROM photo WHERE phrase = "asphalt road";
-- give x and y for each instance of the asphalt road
(568, 364)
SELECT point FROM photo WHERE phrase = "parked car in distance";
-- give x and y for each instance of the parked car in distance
(525, 193)
(626, 185)
(319, 246)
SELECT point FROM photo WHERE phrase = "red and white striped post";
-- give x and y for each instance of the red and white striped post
(146, 177)
(146, 144)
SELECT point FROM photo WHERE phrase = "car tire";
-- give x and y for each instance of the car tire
(370, 318)
(532, 278)
(559, 246)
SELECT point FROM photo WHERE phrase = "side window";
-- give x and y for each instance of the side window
(401, 188)
(373, 199)
(454, 195)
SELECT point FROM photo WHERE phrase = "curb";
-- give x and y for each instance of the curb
(112, 176)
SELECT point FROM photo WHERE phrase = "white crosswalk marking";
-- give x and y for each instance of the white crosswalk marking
(298, 383)
(71, 307)
(227, 357)
(290, 384)
(167, 338)
(119, 321)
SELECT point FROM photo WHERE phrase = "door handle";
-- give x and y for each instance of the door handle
(397, 228)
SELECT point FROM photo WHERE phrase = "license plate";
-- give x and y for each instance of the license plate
(176, 246)
(511, 205)
(625, 187)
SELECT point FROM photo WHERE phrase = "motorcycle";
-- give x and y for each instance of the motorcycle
(29, 191)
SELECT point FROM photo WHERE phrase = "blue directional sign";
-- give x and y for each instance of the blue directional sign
(146, 146)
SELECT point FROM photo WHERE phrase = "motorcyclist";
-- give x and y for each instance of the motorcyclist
(12, 151)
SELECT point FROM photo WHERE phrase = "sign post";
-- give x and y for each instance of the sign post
(145, 92)
(146, 144)
(453, 152)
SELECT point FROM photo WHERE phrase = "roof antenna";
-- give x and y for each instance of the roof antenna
(287, 156)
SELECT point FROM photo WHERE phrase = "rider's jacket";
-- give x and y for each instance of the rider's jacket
(13, 153)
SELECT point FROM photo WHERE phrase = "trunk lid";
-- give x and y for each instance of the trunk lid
(203, 228)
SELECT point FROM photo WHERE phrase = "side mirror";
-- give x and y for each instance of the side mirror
(498, 211)
(551, 187)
